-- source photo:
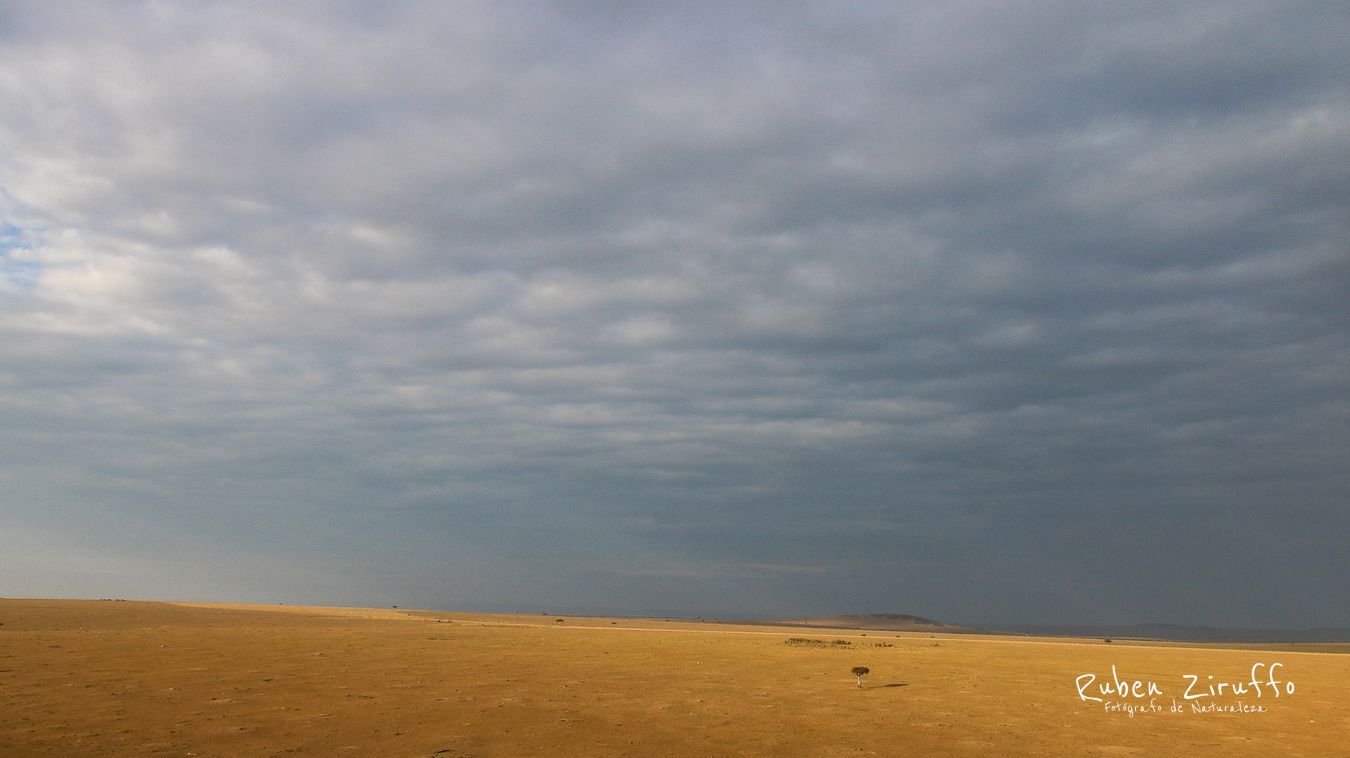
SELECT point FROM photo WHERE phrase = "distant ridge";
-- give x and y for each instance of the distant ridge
(887, 622)
(903, 622)
(1179, 633)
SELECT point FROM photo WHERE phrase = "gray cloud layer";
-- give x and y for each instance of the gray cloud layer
(984, 311)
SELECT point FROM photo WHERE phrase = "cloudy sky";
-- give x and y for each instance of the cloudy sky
(985, 311)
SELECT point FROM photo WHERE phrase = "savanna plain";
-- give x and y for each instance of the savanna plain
(108, 678)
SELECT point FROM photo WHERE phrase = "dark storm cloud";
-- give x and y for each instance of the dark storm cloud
(979, 311)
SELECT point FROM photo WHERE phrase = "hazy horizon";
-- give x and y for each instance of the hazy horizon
(984, 312)
(728, 616)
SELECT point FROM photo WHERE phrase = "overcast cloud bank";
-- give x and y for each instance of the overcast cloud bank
(1024, 313)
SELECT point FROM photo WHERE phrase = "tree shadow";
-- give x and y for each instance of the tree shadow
(893, 684)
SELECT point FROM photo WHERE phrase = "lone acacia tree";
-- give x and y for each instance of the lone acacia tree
(860, 672)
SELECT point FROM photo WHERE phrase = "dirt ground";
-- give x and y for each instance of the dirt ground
(104, 678)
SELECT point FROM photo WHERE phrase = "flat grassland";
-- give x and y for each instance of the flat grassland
(136, 678)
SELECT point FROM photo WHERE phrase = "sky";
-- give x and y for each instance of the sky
(989, 312)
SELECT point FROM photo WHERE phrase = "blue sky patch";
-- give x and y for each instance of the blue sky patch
(24, 273)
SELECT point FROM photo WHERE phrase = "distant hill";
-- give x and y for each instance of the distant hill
(882, 622)
(1178, 633)
(901, 622)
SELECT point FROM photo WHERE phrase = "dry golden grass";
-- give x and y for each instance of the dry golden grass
(129, 678)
